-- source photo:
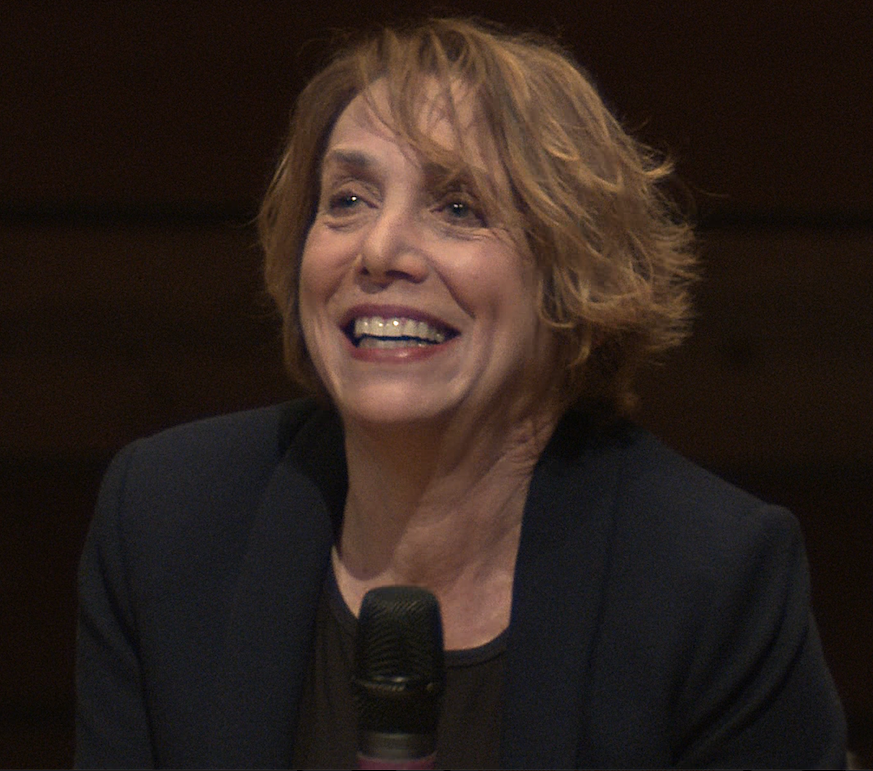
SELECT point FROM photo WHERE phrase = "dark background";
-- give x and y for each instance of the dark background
(137, 137)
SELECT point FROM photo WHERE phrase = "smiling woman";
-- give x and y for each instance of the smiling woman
(472, 261)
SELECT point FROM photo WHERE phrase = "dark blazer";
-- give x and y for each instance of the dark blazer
(660, 617)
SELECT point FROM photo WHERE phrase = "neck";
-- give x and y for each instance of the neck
(431, 507)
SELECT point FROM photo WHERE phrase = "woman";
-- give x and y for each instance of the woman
(472, 260)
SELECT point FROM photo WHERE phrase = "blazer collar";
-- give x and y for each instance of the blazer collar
(269, 633)
(559, 577)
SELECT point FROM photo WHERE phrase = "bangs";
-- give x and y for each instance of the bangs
(409, 86)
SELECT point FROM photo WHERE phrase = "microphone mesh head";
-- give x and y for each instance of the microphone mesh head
(399, 671)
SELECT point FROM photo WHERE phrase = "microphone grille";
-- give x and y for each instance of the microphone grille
(399, 668)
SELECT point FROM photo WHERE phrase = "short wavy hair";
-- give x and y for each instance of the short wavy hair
(614, 257)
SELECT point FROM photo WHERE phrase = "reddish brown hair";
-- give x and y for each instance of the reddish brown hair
(614, 260)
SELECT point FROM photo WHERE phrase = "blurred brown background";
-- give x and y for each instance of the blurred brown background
(137, 137)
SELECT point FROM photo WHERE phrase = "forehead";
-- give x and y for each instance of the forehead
(440, 126)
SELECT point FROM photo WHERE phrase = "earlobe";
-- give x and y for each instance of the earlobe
(589, 341)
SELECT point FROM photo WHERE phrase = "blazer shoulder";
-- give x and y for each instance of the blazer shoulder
(218, 466)
(630, 466)
(660, 469)
(668, 487)
(698, 536)
(661, 510)
(271, 427)
(247, 439)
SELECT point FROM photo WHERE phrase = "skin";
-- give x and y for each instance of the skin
(441, 440)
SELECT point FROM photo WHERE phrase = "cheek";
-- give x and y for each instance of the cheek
(305, 292)
(312, 293)
(318, 275)
(494, 281)
(513, 295)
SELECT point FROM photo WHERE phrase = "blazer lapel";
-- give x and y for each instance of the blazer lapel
(559, 576)
(268, 636)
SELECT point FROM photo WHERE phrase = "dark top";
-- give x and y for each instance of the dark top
(660, 617)
(468, 735)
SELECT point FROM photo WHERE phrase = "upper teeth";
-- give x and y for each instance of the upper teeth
(376, 326)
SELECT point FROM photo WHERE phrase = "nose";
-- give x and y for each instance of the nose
(393, 249)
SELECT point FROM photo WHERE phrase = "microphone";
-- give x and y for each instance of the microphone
(399, 677)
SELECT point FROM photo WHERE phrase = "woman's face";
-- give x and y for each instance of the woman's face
(414, 304)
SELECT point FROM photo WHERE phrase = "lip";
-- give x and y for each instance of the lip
(387, 355)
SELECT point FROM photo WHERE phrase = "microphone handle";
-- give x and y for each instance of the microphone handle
(426, 763)
(400, 750)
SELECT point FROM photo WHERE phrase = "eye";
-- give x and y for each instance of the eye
(461, 209)
(343, 201)
(344, 204)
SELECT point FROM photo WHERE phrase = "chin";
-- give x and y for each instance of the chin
(391, 415)
(391, 407)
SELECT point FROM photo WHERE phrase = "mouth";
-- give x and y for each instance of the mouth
(396, 332)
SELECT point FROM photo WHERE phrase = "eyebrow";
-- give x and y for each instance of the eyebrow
(435, 174)
(351, 159)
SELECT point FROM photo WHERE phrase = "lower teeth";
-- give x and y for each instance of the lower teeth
(391, 342)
